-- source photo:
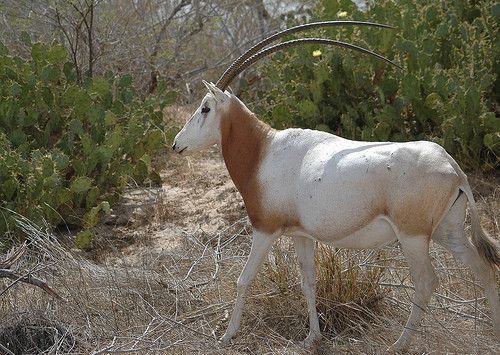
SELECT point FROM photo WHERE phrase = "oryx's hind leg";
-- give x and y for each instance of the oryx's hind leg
(304, 247)
(451, 234)
(416, 251)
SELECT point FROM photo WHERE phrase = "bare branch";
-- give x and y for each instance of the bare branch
(29, 279)
(14, 255)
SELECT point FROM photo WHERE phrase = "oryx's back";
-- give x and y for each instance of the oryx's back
(334, 187)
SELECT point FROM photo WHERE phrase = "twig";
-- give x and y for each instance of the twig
(29, 279)
(14, 255)
(7, 351)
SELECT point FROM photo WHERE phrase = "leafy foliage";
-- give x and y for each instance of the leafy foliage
(67, 151)
(447, 92)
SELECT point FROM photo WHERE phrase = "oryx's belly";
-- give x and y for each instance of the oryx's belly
(375, 234)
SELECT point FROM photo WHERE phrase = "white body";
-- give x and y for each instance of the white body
(312, 185)
(332, 183)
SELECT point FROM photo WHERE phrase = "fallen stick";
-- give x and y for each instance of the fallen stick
(5, 272)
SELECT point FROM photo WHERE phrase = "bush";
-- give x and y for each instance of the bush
(67, 151)
(447, 92)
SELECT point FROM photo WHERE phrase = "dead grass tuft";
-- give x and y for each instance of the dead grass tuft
(36, 335)
(348, 292)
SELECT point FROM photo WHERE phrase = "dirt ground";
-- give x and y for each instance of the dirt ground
(162, 279)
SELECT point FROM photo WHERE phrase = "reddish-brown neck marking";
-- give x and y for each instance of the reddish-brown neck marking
(244, 142)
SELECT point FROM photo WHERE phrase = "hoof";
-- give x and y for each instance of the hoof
(225, 340)
(311, 341)
(398, 347)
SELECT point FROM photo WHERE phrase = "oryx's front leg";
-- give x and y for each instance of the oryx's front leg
(261, 244)
(304, 247)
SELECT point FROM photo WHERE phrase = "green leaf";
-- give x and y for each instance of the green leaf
(114, 140)
(8, 188)
(280, 114)
(125, 81)
(110, 118)
(410, 87)
(47, 167)
(155, 141)
(105, 207)
(101, 87)
(81, 184)
(83, 240)
(323, 127)
(495, 10)
(70, 71)
(79, 167)
(92, 217)
(490, 121)
(433, 100)
(61, 160)
(308, 109)
(57, 55)
(95, 115)
(169, 97)
(389, 87)
(3, 49)
(472, 101)
(15, 89)
(64, 196)
(76, 127)
(17, 137)
(171, 133)
(92, 196)
(39, 52)
(316, 89)
(492, 141)
(141, 171)
(322, 72)
(77, 99)
(25, 38)
(442, 30)
(382, 131)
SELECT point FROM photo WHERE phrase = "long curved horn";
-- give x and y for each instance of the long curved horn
(265, 52)
(222, 83)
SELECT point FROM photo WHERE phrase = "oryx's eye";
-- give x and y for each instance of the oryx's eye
(205, 109)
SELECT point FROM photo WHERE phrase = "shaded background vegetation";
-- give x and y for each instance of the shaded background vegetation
(447, 91)
(83, 85)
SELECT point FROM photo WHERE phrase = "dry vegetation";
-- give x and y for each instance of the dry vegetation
(162, 279)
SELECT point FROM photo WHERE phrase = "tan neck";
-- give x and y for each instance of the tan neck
(244, 141)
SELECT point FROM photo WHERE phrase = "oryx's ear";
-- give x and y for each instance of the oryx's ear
(216, 92)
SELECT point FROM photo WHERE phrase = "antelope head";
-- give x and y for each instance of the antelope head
(203, 128)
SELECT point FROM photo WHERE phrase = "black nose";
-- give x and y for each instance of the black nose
(173, 146)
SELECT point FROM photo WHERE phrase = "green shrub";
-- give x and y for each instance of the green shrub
(447, 91)
(67, 151)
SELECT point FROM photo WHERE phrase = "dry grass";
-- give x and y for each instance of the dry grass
(178, 301)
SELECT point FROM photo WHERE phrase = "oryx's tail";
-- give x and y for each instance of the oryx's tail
(486, 246)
